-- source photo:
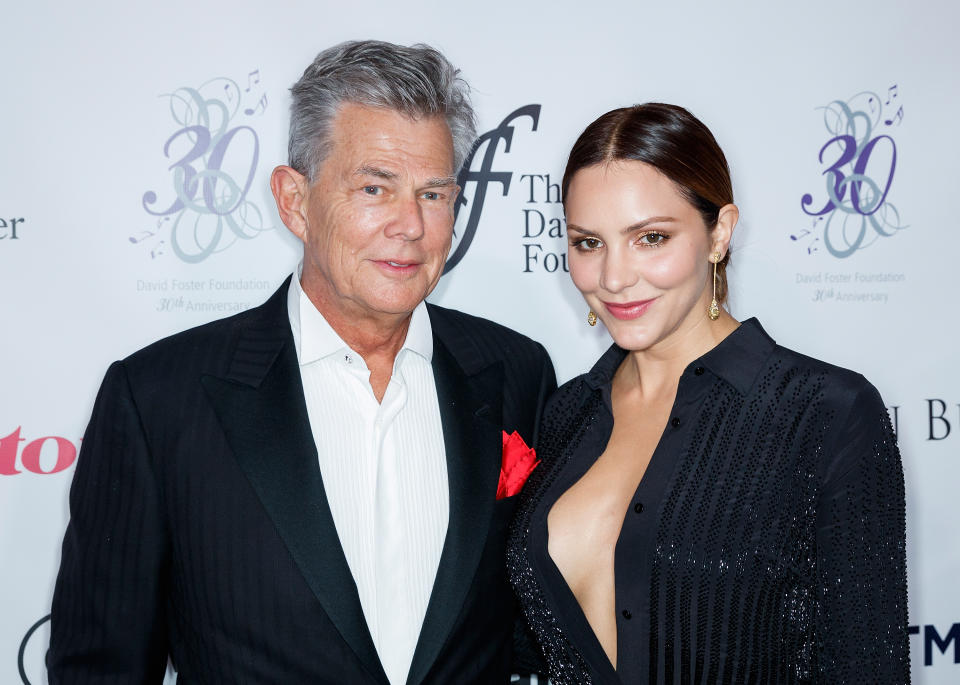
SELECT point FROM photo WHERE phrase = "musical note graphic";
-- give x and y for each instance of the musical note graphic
(158, 250)
(891, 93)
(143, 236)
(803, 233)
(251, 81)
(898, 117)
(261, 105)
(226, 91)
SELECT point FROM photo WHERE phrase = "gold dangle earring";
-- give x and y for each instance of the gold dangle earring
(714, 311)
(592, 318)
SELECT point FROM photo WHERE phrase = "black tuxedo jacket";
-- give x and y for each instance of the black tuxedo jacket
(200, 529)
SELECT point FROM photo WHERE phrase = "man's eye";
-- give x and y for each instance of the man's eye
(372, 190)
(431, 195)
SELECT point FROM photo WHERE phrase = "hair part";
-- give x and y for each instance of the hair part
(675, 143)
(416, 81)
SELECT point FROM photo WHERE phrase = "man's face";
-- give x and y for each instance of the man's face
(379, 215)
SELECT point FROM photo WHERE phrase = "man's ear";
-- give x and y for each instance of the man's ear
(722, 233)
(289, 189)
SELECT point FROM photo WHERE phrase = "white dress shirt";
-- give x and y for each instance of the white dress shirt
(358, 438)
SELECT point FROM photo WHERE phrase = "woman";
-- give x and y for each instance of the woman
(711, 507)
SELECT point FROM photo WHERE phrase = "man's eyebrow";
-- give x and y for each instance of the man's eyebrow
(441, 181)
(376, 172)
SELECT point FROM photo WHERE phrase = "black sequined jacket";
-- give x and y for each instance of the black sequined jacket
(766, 541)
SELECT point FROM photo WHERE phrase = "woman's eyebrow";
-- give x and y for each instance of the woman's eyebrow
(629, 229)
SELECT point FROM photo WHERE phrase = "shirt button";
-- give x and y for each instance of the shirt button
(638, 507)
(698, 371)
(675, 422)
(348, 359)
(626, 614)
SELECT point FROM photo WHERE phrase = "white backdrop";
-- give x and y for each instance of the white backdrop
(91, 269)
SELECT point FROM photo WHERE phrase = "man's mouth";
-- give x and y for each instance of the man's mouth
(398, 266)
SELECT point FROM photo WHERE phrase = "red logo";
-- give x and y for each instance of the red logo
(46, 455)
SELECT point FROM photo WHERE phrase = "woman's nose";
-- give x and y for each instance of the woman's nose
(618, 272)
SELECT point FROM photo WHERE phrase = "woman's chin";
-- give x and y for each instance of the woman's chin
(632, 337)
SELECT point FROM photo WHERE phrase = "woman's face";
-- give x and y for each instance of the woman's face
(639, 252)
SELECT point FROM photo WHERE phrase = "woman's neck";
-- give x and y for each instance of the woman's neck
(657, 369)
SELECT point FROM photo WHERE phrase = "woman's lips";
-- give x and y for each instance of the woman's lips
(628, 310)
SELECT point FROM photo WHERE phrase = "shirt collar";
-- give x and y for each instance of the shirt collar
(737, 359)
(315, 339)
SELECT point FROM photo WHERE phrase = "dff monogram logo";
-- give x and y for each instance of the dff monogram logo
(856, 211)
(209, 211)
(484, 176)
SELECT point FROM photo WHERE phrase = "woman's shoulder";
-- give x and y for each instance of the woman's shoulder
(837, 383)
(840, 402)
(779, 381)
(858, 437)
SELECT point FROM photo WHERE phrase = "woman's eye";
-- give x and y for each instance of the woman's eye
(652, 239)
(587, 244)
(372, 190)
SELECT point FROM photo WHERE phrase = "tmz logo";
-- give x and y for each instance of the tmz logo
(933, 639)
(46, 455)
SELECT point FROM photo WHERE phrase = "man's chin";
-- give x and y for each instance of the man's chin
(388, 296)
(398, 307)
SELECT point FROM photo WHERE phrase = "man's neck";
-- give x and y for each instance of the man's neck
(378, 338)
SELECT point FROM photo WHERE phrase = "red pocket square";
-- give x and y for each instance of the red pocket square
(518, 463)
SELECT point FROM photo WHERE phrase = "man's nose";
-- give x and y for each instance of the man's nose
(407, 220)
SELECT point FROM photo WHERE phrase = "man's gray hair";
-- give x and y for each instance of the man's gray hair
(417, 81)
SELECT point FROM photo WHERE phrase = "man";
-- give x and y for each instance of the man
(306, 492)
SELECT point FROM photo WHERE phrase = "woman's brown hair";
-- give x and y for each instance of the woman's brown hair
(672, 141)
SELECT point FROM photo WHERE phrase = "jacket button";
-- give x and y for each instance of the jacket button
(698, 371)
(626, 614)
(638, 507)
(675, 422)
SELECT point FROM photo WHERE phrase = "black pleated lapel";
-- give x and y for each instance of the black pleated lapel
(261, 407)
(470, 411)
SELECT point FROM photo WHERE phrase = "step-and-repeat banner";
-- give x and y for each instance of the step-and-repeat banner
(104, 248)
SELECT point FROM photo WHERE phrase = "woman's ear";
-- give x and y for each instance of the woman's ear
(722, 232)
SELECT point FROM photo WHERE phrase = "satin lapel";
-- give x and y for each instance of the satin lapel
(261, 407)
(470, 411)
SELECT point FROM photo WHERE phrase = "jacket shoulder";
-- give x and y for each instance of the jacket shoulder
(468, 335)
(209, 347)
(202, 338)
